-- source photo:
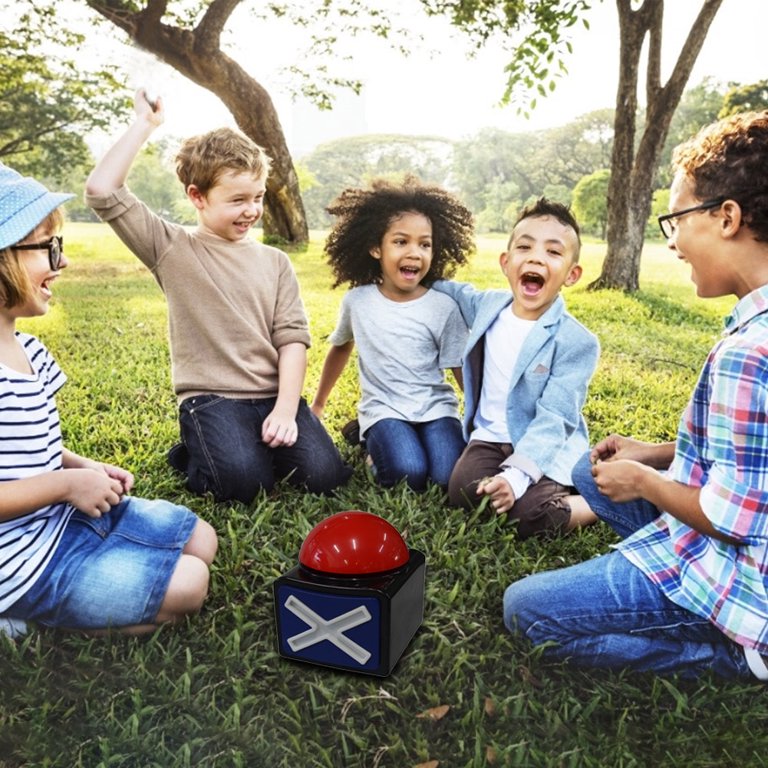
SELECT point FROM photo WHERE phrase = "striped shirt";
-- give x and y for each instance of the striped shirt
(30, 444)
(722, 447)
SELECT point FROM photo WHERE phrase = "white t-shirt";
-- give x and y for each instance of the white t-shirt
(502, 344)
(403, 347)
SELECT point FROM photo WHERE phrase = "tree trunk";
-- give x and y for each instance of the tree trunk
(633, 164)
(196, 54)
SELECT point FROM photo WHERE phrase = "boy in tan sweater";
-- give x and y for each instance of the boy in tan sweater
(238, 330)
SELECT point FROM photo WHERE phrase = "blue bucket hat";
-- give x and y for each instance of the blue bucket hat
(24, 203)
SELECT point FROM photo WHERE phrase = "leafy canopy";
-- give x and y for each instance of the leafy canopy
(47, 101)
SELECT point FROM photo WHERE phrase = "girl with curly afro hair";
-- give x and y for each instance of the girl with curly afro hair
(390, 242)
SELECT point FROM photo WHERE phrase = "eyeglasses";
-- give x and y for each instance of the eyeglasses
(667, 222)
(54, 246)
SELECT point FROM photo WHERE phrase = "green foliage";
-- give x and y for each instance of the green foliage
(590, 202)
(659, 206)
(494, 164)
(353, 162)
(745, 98)
(213, 693)
(47, 102)
(698, 107)
(533, 35)
(154, 181)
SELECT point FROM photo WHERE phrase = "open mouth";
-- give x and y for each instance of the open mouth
(532, 283)
(45, 288)
(409, 272)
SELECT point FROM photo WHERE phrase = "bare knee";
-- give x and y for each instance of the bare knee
(187, 589)
(203, 542)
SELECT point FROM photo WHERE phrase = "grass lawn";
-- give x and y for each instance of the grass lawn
(214, 692)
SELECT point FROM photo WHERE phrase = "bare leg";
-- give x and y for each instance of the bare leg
(188, 586)
(202, 543)
(581, 513)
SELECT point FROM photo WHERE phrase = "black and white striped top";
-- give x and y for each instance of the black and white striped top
(30, 444)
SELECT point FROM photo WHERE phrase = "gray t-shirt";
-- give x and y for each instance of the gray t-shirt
(402, 350)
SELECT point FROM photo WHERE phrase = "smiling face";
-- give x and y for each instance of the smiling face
(39, 274)
(538, 262)
(232, 206)
(405, 254)
(695, 241)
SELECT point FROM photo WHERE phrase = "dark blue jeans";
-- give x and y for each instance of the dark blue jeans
(414, 452)
(606, 613)
(227, 457)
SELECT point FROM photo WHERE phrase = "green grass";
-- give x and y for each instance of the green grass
(213, 692)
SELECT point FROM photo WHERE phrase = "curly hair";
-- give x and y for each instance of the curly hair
(202, 159)
(727, 161)
(364, 216)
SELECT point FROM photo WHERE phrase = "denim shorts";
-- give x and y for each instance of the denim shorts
(111, 571)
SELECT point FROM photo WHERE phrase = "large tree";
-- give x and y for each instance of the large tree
(634, 161)
(188, 36)
(636, 148)
(190, 42)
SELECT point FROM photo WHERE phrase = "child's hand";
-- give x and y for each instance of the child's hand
(123, 476)
(500, 492)
(617, 447)
(620, 480)
(149, 108)
(279, 429)
(92, 491)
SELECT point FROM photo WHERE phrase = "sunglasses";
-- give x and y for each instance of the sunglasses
(54, 246)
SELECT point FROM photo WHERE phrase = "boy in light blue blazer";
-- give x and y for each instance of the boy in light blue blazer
(527, 365)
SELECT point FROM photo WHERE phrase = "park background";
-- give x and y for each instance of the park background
(214, 692)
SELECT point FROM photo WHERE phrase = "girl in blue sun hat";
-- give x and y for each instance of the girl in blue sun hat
(78, 551)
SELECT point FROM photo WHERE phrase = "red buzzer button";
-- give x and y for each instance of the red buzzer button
(353, 543)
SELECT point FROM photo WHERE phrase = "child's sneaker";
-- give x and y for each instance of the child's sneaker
(14, 628)
(178, 457)
(351, 432)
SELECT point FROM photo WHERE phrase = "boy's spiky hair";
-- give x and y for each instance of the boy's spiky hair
(728, 160)
(546, 207)
(364, 215)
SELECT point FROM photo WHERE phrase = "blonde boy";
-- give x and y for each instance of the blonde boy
(238, 331)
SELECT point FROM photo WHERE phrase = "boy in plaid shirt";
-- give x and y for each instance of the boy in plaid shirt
(687, 588)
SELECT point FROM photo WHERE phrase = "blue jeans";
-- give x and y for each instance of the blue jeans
(414, 452)
(606, 613)
(227, 457)
(110, 571)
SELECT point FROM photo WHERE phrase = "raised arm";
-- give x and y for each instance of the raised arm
(111, 171)
(335, 362)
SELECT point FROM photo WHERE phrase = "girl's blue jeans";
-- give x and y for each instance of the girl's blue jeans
(414, 452)
(606, 613)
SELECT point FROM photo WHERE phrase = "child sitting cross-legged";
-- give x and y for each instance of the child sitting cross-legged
(527, 365)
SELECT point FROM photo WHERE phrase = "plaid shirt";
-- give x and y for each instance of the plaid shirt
(722, 447)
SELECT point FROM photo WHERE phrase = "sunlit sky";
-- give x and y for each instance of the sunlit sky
(441, 92)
